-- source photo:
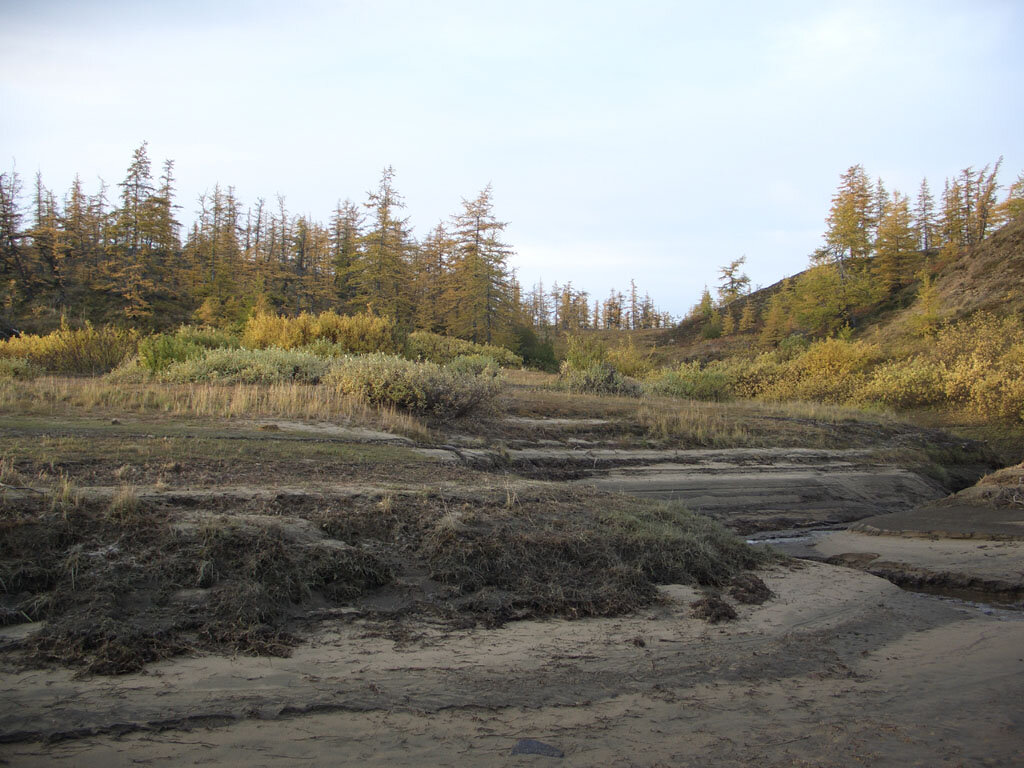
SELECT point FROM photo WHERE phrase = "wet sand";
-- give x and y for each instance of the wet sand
(839, 668)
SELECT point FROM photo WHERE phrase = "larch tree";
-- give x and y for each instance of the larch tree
(381, 276)
(924, 218)
(435, 293)
(129, 269)
(897, 258)
(346, 234)
(732, 282)
(851, 220)
(480, 271)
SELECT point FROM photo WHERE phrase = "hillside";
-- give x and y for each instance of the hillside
(988, 278)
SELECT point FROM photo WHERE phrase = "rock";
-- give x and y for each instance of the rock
(534, 747)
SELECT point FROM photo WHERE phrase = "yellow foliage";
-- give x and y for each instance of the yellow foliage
(630, 361)
(351, 333)
(88, 350)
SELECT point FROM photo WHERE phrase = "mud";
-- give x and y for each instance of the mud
(839, 668)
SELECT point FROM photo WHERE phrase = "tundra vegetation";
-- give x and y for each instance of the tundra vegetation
(185, 461)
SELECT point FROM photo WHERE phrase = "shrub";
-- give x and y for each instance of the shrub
(584, 353)
(84, 351)
(351, 333)
(475, 365)
(534, 352)
(434, 348)
(693, 381)
(423, 388)
(187, 343)
(159, 351)
(630, 361)
(208, 338)
(915, 383)
(598, 379)
(18, 368)
(248, 366)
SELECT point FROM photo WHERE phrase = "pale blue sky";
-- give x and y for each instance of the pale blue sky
(652, 140)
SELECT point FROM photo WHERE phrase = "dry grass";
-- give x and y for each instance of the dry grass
(693, 422)
(54, 396)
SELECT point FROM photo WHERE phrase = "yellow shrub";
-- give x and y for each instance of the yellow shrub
(360, 333)
(630, 361)
(87, 350)
(915, 383)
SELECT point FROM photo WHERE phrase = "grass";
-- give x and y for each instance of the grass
(55, 396)
(122, 582)
(172, 523)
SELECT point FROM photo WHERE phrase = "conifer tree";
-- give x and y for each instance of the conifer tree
(381, 278)
(129, 268)
(924, 218)
(851, 220)
(897, 258)
(434, 293)
(748, 318)
(1012, 208)
(732, 282)
(346, 236)
(728, 322)
(484, 308)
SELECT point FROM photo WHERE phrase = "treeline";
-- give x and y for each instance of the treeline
(120, 256)
(876, 244)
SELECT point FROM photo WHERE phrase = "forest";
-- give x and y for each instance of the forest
(122, 256)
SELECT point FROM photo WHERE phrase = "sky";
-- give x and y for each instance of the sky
(654, 141)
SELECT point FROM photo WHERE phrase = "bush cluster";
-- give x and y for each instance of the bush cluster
(598, 379)
(160, 350)
(347, 334)
(67, 350)
(422, 388)
(434, 348)
(690, 380)
(247, 366)
(475, 365)
(18, 368)
(975, 366)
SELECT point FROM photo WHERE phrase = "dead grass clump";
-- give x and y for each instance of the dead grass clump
(694, 423)
(64, 497)
(567, 558)
(713, 609)
(749, 589)
(108, 584)
(124, 504)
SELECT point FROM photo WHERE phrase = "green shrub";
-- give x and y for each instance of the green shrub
(84, 351)
(422, 388)
(598, 379)
(584, 353)
(187, 343)
(434, 348)
(475, 365)
(18, 368)
(159, 351)
(206, 337)
(247, 366)
(534, 352)
(692, 381)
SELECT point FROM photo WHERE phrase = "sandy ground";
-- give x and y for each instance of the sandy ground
(841, 668)
(996, 560)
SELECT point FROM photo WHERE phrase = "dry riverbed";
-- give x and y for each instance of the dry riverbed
(413, 657)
